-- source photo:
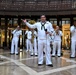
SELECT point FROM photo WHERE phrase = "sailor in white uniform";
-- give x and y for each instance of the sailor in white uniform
(57, 42)
(35, 43)
(16, 33)
(44, 31)
(73, 40)
(28, 41)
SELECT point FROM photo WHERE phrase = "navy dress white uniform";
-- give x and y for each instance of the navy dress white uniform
(16, 33)
(35, 43)
(28, 41)
(73, 41)
(43, 40)
(57, 43)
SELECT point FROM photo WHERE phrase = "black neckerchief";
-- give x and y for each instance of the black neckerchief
(42, 25)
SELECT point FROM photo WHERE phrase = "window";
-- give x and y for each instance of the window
(2, 21)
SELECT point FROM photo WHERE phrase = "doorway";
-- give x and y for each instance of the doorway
(66, 33)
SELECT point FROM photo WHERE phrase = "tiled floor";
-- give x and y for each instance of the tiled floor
(24, 64)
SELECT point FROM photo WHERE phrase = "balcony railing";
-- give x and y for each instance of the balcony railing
(37, 5)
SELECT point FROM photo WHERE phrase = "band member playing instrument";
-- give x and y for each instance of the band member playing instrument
(16, 33)
(29, 41)
(35, 43)
(57, 42)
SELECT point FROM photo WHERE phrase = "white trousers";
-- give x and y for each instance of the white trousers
(56, 46)
(41, 45)
(14, 45)
(35, 45)
(73, 48)
(29, 45)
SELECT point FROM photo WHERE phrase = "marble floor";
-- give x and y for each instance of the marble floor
(24, 64)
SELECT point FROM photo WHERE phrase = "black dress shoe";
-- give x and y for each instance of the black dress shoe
(51, 65)
(17, 54)
(72, 57)
(31, 55)
(53, 55)
(40, 64)
(36, 55)
(12, 53)
(59, 56)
